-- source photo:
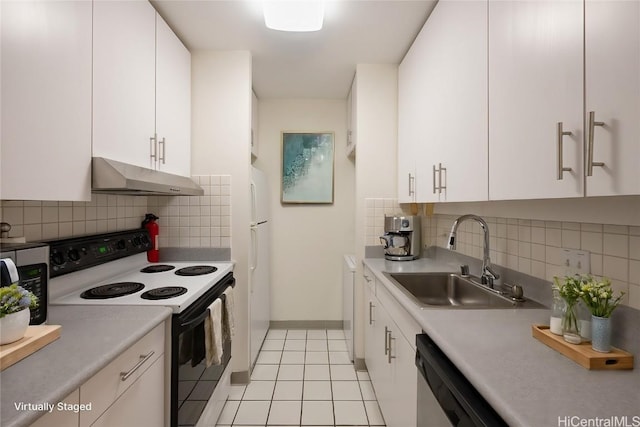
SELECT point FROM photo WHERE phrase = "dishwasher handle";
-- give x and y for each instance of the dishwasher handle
(431, 361)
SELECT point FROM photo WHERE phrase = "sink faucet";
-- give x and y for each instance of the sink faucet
(488, 276)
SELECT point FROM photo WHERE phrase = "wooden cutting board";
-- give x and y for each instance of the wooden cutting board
(582, 353)
(34, 339)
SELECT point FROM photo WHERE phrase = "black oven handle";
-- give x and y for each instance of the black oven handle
(189, 324)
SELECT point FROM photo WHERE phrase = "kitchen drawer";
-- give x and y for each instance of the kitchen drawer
(107, 385)
(61, 418)
(408, 326)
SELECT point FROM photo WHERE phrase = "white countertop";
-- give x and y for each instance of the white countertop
(526, 382)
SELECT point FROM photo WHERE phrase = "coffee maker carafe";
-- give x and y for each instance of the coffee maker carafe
(401, 238)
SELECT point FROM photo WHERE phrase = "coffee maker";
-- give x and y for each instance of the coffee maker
(401, 238)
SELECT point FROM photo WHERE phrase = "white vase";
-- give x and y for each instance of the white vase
(13, 326)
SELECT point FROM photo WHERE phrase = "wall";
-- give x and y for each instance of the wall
(307, 240)
(376, 129)
(45, 220)
(221, 137)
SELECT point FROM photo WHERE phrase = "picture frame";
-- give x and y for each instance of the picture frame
(307, 167)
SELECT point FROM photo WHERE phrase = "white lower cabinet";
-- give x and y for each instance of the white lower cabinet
(58, 418)
(389, 355)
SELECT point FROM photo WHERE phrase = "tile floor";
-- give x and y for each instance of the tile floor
(303, 378)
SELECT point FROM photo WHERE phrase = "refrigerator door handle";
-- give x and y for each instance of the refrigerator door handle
(254, 204)
(254, 249)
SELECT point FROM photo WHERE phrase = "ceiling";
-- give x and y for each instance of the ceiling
(301, 65)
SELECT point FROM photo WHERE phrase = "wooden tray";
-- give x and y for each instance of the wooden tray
(583, 354)
(34, 339)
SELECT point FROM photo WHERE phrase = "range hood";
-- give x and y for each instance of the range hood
(113, 177)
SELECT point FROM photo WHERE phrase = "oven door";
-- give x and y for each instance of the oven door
(192, 383)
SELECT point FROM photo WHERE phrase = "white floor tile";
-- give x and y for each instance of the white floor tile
(363, 375)
(291, 373)
(276, 334)
(316, 345)
(337, 345)
(276, 345)
(335, 334)
(292, 358)
(317, 358)
(285, 413)
(236, 391)
(252, 412)
(350, 413)
(294, 345)
(288, 390)
(343, 373)
(367, 390)
(259, 390)
(268, 358)
(317, 390)
(373, 413)
(346, 390)
(228, 412)
(317, 413)
(316, 334)
(316, 372)
(264, 372)
(339, 358)
(296, 334)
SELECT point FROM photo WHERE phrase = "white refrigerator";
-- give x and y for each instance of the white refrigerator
(259, 286)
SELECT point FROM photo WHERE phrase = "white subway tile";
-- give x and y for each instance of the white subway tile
(538, 235)
(538, 252)
(112, 212)
(33, 232)
(524, 250)
(553, 237)
(571, 239)
(65, 229)
(634, 272)
(524, 233)
(634, 247)
(594, 228)
(616, 229)
(634, 231)
(524, 265)
(616, 245)
(590, 241)
(571, 226)
(65, 214)
(615, 268)
(225, 180)
(216, 242)
(50, 231)
(596, 264)
(538, 269)
(79, 228)
(13, 215)
(215, 179)
(50, 214)
(554, 256)
(552, 224)
(91, 213)
(634, 296)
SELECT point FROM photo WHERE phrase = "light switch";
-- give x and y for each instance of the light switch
(576, 261)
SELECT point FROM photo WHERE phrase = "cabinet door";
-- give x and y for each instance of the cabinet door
(46, 100)
(254, 124)
(142, 405)
(173, 101)
(535, 82)
(404, 374)
(455, 120)
(124, 81)
(61, 418)
(612, 72)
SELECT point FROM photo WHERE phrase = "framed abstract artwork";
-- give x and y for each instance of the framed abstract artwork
(307, 167)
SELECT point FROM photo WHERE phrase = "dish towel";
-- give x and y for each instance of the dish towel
(213, 334)
(228, 325)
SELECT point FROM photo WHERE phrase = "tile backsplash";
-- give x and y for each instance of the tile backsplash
(530, 246)
(195, 222)
(185, 221)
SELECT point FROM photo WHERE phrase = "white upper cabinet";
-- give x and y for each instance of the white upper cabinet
(141, 88)
(442, 113)
(535, 83)
(612, 72)
(124, 66)
(46, 100)
(173, 101)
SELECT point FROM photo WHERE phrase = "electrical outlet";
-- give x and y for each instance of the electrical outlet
(576, 261)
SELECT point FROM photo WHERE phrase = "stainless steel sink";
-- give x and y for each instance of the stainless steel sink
(448, 290)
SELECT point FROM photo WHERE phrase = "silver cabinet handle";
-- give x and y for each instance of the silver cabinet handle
(561, 134)
(592, 125)
(389, 356)
(387, 334)
(143, 358)
(434, 180)
(440, 186)
(371, 312)
(411, 181)
(164, 150)
(153, 149)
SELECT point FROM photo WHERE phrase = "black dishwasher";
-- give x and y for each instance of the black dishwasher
(445, 396)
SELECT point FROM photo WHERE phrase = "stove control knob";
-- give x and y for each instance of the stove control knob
(136, 241)
(57, 258)
(73, 254)
(144, 239)
(121, 244)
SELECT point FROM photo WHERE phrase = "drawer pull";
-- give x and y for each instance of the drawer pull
(143, 358)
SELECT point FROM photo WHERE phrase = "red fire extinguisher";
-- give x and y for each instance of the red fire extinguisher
(153, 254)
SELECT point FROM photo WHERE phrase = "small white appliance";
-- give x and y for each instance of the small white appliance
(259, 282)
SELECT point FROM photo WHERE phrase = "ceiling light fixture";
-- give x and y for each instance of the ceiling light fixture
(293, 15)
